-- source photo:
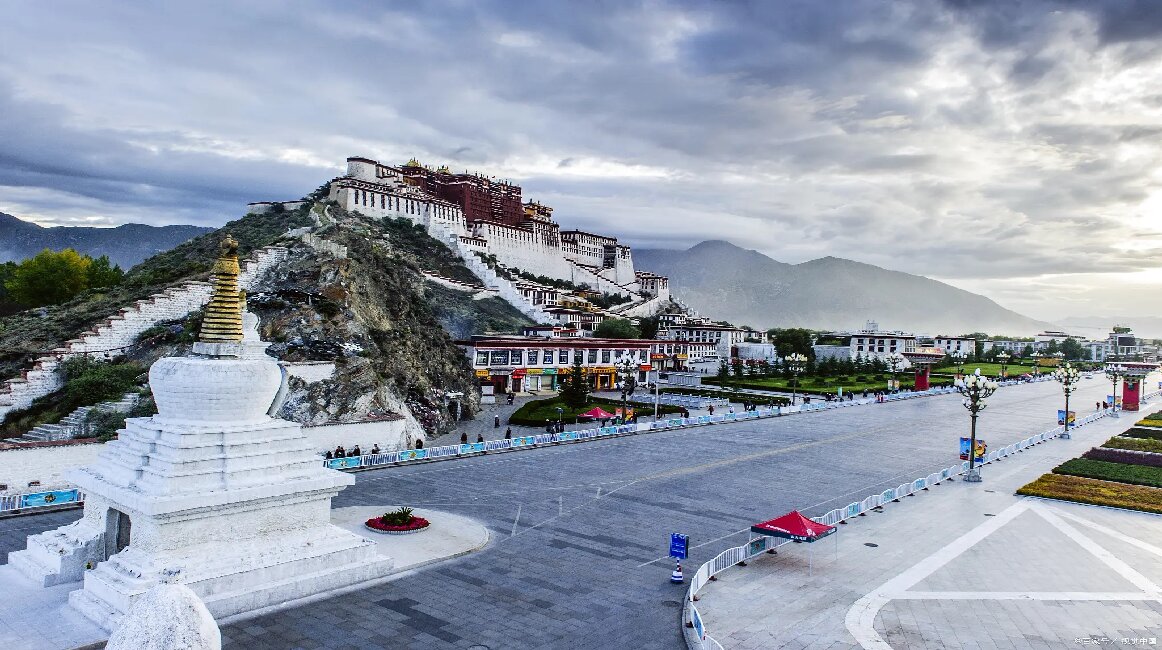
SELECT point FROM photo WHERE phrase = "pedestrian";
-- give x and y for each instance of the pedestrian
(375, 448)
(356, 452)
(464, 438)
(511, 397)
(480, 437)
(496, 422)
(328, 455)
(419, 443)
(339, 453)
(711, 409)
(508, 433)
(1097, 406)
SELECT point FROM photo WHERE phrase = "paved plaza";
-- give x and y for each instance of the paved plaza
(579, 532)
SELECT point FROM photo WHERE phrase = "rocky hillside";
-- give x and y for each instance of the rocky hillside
(125, 245)
(743, 286)
(355, 295)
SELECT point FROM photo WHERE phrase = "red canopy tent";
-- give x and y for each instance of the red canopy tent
(596, 413)
(794, 526)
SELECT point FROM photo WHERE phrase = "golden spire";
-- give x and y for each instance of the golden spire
(223, 320)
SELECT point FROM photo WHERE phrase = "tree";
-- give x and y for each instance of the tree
(617, 328)
(103, 273)
(7, 269)
(1072, 350)
(49, 278)
(648, 327)
(792, 340)
(576, 390)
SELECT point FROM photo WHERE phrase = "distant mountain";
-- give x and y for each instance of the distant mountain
(125, 245)
(743, 286)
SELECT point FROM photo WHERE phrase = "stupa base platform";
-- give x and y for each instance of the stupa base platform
(237, 579)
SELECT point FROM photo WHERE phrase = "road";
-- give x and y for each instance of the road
(580, 531)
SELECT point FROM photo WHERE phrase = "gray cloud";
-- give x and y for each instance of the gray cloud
(1005, 140)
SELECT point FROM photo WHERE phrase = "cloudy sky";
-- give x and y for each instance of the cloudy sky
(1012, 148)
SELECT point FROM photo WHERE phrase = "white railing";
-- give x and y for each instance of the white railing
(30, 501)
(699, 637)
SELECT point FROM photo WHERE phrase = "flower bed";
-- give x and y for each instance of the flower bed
(1091, 491)
(1106, 471)
(1143, 432)
(399, 522)
(1135, 444)
(1126, 456)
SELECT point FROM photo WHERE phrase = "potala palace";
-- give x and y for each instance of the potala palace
(488, 224)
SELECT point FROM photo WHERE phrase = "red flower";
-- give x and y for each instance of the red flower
(415, 523)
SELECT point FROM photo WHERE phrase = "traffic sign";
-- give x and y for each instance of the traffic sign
(679, 546)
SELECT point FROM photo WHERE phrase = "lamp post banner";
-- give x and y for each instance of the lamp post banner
(1061, 417)
(981, 449)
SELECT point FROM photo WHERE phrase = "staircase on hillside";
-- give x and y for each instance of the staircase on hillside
(73, 424)
(109, 337)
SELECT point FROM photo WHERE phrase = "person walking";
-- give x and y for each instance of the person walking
(508, 433)
(480, 437)
(464, 438)
(496, 422)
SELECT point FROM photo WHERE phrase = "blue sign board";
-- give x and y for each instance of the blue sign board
(47, 498)
(344, 463)
(472, 447)
(679, 546)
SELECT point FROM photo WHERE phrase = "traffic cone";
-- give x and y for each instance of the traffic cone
(676, 576)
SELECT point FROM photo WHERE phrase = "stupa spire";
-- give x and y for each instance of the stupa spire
(223, 320)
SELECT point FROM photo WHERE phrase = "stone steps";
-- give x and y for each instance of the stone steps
(73, 424)
(108, 337)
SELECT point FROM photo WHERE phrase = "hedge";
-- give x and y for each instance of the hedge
(1135, 444)
(1106, 471)
(762, 400)
(1140, 432)
(1149, 422)
(1124, 456)
(1101, 493)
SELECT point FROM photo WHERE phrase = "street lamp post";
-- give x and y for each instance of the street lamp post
(958, 357)
(895, 361)
(1003, 359)
(975, 390)
(1036, 357)
(1068, 376)
(796, 363)
(626, 367)
(1115, 372)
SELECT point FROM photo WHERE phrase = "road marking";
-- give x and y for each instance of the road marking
(517, 519)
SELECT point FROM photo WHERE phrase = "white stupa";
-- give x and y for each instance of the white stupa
(212, 488)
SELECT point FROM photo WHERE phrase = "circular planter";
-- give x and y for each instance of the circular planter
(418, 524)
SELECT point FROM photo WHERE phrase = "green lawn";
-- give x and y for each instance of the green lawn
(536, 412)
(990, 369)
(731, 396)
(1107, 471)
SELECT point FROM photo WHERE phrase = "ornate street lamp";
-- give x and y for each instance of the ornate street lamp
(626, 368)
(1036, 357)
(796, 363)
(1068, 376)
(958, 357)
(1003, 359)
(975, 390)
(895, 362)
(1115, 372)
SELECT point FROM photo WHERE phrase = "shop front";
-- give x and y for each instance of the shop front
(538, 379)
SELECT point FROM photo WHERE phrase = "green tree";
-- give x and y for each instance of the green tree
(576, 390)
(648, 327)
(1072, 350)
(7, 269)
(103, 273)
(617, 328)
(49, 278)
(792, 340)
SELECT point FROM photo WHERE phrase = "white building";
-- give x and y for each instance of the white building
(956, 344)
(521, 363)
(724, 337)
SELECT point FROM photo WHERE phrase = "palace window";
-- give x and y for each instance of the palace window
(481, 358)
(532, 357)
(498, 358)
(593, 356)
